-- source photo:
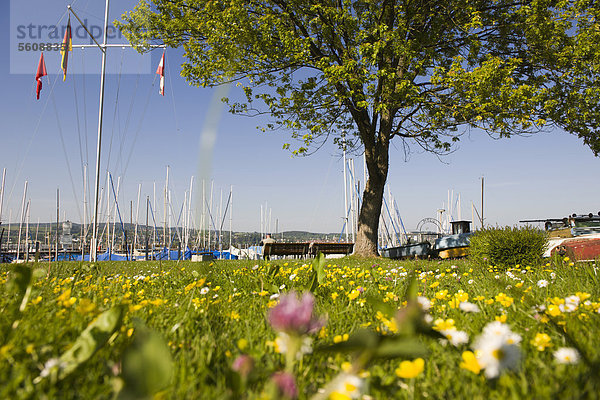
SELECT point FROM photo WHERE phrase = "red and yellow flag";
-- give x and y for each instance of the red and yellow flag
(41, 71)
(67, 45)
(161, 71)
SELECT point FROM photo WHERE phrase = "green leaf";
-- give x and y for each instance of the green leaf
(19, 279)
(318, 265)
(147, 365)
(400, 347)
(386, 309)
(360, 340)
(93, 338)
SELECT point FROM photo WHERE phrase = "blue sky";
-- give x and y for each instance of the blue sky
(546, 175)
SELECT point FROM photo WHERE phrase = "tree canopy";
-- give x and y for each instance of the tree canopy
(366, 72)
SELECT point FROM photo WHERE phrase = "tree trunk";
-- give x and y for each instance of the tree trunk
(370, 210)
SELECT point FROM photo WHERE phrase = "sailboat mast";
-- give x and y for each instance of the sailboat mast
(99, 142)
(2, 193)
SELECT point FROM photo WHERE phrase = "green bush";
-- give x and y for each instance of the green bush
(507, 247)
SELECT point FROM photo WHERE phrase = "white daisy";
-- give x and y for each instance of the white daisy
(542, 283)
(566, 355)
(467, 306)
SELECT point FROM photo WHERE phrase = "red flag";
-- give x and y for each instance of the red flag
(161, 71)
(67, 45)
(41, 71)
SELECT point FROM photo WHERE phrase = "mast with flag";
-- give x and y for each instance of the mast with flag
(67, 45)
(41, 71)
(161, 71)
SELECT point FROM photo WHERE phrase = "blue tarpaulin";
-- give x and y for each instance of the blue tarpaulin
(165, 254)
(106, 256)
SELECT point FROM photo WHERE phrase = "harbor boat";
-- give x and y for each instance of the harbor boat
(409, 250)
(455, 245)
(576, 236)
(417, 245)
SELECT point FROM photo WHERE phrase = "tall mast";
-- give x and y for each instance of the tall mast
(99, 142)
(165, 211)
(83, 229)
(27, 231)
(345, 195)
(137, 217)
(2, 193)
(21, 220)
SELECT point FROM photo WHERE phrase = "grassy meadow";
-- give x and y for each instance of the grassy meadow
(372, 329)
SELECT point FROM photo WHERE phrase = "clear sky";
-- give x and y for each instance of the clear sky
(547, 175)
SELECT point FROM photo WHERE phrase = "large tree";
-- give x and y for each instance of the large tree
(366, 72)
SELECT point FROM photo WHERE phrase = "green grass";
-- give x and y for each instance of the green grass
(202, 330)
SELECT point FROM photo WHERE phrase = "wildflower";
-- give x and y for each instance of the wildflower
(36, 300)
(204, 290)
(503, 299)
(242, 344)
(243, 365)
(340, 338)
(295, 316)
(410, 369)
(85, 306)
(441, 324)
(554, 310)
(570, 305)
(566, 355)
(468, 307)
(353, 294)
(424, 303)
(348, 386)
(542, 283)
(496, 349)
(541, 341)
(470, 362)
(456, 337)
(286, 384)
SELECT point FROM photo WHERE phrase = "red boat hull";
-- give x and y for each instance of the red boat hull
(579, 249)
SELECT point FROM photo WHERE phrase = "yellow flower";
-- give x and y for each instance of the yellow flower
(441, 294)
(353, 294)
(36, 300)
(242, 344)
(234, 315)
(501, 318)
(157, 302)
(340, 338)
(443, 325)
(64, 296)
(334, 295)
(583, 296)
(553, 310)
(410, 369)
(541, 341)
(461, 296)
(503, 299)
(470, 362)
(434, 284)
(85, 306)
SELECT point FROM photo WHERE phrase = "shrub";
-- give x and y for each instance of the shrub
(507, 247)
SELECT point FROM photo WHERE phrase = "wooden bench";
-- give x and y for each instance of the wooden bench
(285, 249)
(331, 248)
(304, 249)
